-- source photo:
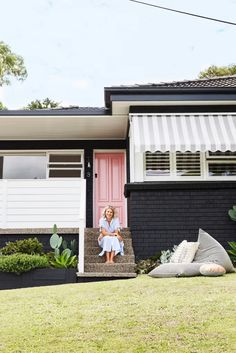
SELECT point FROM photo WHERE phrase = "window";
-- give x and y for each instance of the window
(23, 167)
(189, 166)
(65, 165)
(221, 164)
(157, 164)
(41, 165)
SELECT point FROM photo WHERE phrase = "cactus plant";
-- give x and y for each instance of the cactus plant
(66, 258)
(232, 213)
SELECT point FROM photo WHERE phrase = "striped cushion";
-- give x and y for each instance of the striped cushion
(185, 252)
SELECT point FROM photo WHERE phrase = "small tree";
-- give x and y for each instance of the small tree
(11, 64)
(2, 106)
(215, 71)
(42, 104)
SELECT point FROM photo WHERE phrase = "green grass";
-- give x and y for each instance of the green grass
(184, 315)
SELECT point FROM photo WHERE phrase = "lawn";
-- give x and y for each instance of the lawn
(184, 315)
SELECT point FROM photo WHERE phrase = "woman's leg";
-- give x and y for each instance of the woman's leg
(107, 257)
(112, 257)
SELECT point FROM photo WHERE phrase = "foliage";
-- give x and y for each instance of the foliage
(27, 246)
(166, 255)
(232, 213)
(19, 263)
(64, 260)
(2, 106)
(11, 64)
(44, 104)
(232, 251)
(145, 266)
(56, 241)
(214, 71)
(72, 245)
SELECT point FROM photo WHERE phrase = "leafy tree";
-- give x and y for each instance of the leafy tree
(44, 104)
(214, 71)
(2, 107)
(11, 64)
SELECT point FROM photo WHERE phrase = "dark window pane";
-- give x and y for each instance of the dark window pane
(220, 154)
(53, 173)
(65, 166)
(217, 169)
(157, 164)
(68, 158)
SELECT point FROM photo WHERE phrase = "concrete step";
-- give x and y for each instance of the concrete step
(88, 242)
(106, 275)
(95, 250)
(101, 259)
(110, 268)
(93, 233)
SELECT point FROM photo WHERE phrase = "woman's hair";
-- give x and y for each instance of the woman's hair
(109, 207)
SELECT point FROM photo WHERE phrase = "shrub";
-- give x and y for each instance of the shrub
(232, 251)
(64, 260)
(19, 263)
(145, 266)
(26, 246)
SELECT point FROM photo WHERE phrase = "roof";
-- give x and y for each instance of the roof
(216, 88)
(87, 111)
(218, 82)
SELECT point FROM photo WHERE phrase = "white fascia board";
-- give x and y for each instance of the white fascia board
(122, 108)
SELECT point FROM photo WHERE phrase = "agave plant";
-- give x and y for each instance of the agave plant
(64, 260)
(232, 213)
(232, 251)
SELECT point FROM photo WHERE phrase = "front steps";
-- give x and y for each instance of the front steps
(94, 266)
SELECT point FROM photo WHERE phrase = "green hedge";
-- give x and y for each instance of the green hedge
(19, 263)
(26, 246)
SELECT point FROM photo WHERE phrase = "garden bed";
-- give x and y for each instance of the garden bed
(38, 277)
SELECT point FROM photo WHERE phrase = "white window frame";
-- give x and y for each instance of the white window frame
(81, 152)
(205, 160)
(47, 153)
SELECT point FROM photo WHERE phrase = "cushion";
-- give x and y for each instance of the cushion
(210, 251)
(185, 252)
(176, 270)
(212, 270)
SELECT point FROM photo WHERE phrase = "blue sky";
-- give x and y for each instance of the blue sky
(74, 48)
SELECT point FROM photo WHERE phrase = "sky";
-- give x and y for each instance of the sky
(74, 48)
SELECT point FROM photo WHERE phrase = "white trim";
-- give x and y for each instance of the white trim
(204, 163)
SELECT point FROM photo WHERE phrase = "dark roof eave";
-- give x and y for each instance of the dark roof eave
(111, 91)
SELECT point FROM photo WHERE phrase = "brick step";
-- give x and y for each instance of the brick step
(109, 268)
(106, 275)
(89, 259)
(93, 242)
(95, 250)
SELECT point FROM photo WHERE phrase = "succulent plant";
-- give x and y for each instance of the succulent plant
(232, 213)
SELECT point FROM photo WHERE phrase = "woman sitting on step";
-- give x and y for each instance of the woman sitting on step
(110, 239)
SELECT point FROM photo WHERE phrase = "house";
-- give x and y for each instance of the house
(164, 154)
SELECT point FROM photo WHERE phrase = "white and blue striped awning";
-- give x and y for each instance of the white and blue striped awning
(183, 132)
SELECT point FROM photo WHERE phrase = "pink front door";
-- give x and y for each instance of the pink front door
(109, 184)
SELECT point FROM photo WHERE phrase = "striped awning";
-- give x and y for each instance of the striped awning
(183, 132)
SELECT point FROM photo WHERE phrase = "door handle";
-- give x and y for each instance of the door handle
(96, 175)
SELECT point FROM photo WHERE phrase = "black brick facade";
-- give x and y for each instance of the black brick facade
(161, 215)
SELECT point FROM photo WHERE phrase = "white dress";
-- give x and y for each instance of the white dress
(110, 243)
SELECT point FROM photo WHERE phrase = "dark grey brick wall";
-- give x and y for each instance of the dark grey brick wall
(163, 216)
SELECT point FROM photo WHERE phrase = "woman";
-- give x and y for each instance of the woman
(110, 239)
